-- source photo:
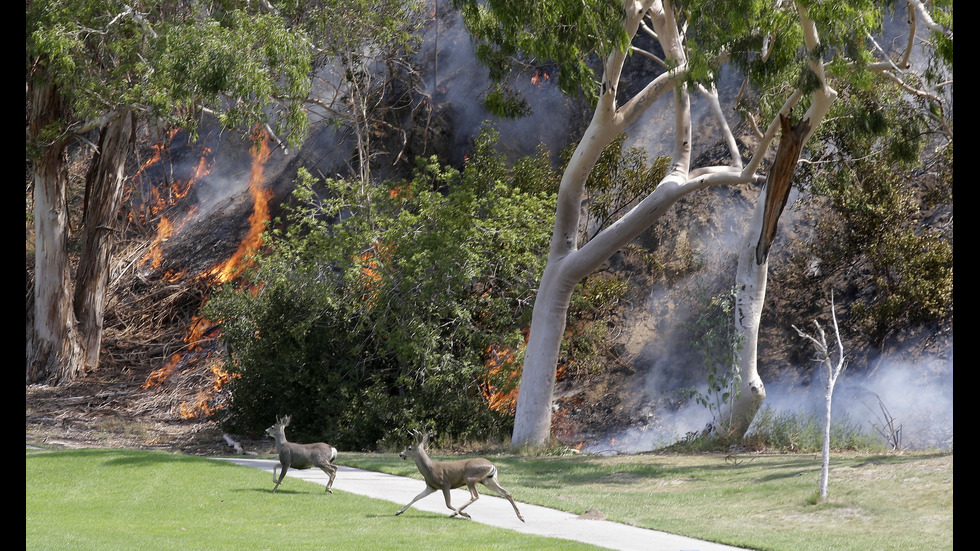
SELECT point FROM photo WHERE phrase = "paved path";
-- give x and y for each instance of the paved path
(495, 511)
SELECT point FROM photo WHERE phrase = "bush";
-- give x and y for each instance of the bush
(373, 309)
(879, 202)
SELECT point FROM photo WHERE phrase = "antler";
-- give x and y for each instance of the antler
(421, 439)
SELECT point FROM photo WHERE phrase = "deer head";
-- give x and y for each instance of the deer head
(421, 441)
(279, 427)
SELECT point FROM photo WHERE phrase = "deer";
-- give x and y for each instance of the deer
(447, 475)
(300, 456)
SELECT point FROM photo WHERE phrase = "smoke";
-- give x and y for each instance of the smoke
(455, 81)
(908, 401)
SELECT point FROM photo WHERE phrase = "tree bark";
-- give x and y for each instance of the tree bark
(753, 262)
(750, 288)
(104, 191)
(53, 351)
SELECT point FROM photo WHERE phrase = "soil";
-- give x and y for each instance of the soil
(106, 411)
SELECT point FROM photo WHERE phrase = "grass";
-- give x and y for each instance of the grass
(128, 499)
(877, 501)
(119, 499)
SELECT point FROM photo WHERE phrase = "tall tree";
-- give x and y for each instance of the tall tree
(104, 67)
(786, 50)
(364, 74)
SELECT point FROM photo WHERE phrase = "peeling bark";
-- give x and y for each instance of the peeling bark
(53, 351)
(780, 181)
(104, 191)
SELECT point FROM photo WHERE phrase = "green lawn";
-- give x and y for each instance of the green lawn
(875, 502)
(125, 499)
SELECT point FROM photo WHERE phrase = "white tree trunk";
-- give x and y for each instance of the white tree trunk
(825, 461)
(751, 275)
(750, 285)
(833, 371)
(567, 263)
(53, 352)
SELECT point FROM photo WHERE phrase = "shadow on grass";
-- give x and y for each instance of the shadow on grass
(118, 457)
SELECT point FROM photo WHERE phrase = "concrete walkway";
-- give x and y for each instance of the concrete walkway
(493, 511)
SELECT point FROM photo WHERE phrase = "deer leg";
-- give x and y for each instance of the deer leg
(474, 495)
(445, 492)
(495, 486)
(331, 471)
(428, 490)
(281, 476)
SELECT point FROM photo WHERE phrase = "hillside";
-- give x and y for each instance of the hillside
(634, 398)
(156, 382)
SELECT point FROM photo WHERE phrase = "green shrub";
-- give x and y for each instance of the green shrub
(373, 308)
(872, 177)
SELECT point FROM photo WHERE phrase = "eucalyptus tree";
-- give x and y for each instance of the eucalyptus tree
(103, 68)
(364, 75)
(790, 54)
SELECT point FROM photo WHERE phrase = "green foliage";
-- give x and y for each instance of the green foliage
(765, 42)
(252, 57)
(514, 34)
(374, 307)
(872, 180)
(169, 62)
(618, 181)
(591, 306)
(713, 334)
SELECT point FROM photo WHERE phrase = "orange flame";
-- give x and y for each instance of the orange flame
(371, 262)
(540, 78)
(202, 402)
(164, 230)
(177, 191)
(201, 327)
(498, 399)
(501, 360)
(260, 214)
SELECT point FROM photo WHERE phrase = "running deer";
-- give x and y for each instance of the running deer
(300, 456)
(446, 475)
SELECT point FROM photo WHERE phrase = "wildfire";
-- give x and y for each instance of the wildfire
(197, 334)
(563, 425)
(175, 192)
(502, 360)
(260, 214)
(202, 402)
(203, 331)
(540, 78)
(371, 266)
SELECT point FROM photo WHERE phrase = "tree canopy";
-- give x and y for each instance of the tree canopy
(169, 63)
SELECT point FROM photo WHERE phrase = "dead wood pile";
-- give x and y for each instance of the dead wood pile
(147, 322)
